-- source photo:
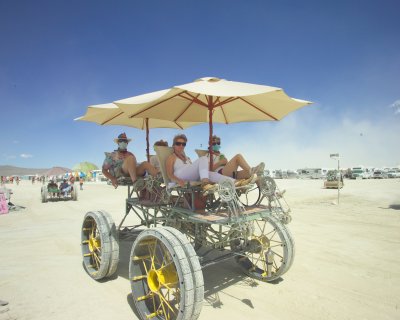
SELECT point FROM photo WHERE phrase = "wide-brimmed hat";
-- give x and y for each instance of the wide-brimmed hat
(122, 137)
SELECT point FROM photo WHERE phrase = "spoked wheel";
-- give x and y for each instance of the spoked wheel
(99, 244)
(165, 275)
(44, 194)
(269, 251)
(249, 196)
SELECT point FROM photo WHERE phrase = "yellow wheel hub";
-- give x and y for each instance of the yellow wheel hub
(164, 277)
(94, 243)
(259, 244)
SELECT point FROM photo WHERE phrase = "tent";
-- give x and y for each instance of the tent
(84, 167)
(56, 171)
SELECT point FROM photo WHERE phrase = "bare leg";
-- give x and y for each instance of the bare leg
(146, 166)
(129, 166)
(232, 166)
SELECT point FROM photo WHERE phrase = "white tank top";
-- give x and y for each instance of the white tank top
(178, 164)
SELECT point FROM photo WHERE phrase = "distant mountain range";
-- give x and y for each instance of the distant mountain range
(11, 170)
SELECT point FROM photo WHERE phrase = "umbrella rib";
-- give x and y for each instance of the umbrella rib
(223, 112)
(105, 122)
(191, 102)
(255, 107)
(228, 100)
(194, 99)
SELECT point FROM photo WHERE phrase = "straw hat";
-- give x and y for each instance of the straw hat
(122, 137)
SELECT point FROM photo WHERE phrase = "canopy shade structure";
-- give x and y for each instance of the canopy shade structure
(229, 101)
(56, 171)
(85, 167)
(213, 100)
(111, 114)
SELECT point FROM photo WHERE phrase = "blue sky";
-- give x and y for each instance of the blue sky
(58, 57)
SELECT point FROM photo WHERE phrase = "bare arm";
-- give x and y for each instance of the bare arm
(108, 175)
(220, 163)
(170, 171)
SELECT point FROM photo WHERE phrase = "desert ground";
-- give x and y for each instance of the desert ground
(346, 264)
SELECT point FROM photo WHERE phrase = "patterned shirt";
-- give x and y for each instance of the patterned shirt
(114, 160)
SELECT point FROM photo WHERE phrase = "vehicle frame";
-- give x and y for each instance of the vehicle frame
(245, 223)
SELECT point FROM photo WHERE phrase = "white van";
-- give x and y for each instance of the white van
(359, 173)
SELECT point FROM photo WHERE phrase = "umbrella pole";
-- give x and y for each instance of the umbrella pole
(210, 125)
(147, 140)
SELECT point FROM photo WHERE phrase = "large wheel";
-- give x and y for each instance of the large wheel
(165, 275)
(195, 267)
(97, 245)
(269, 252)
(112, 229)
(44, 194)
(249, 196)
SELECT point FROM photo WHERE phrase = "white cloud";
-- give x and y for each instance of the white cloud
(396, 106)
(25, 155)
(307, 139)
(16, 141)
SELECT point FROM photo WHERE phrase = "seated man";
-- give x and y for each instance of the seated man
(230, 168)
(52, 188)
(65, 187)
(122, 163)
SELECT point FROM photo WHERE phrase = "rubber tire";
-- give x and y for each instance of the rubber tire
(186, 264)
(289, 252)
(101, 225)
(114, 239)
(195, 269)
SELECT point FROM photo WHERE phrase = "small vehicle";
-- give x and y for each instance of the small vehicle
(359, 172)
(380, 174)
(247, 223)
(56, 195)
(334, 180)
(393, 173)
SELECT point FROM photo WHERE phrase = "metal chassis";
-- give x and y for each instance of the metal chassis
(214, 228)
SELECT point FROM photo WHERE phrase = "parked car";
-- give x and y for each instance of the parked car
(380, 174)
(393, 174)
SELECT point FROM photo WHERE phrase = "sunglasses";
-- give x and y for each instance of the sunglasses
(180, 143)
(216, 143)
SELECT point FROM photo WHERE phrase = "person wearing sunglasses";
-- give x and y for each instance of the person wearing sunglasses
(230, 168)
(122, 163)
(180, 169)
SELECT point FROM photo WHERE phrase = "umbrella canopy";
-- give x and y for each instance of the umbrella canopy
(213, 100)
(84, 167)
(229, 102)
(111, 114)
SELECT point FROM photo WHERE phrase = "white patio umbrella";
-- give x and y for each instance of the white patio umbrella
(110, 114)
(213, 100)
